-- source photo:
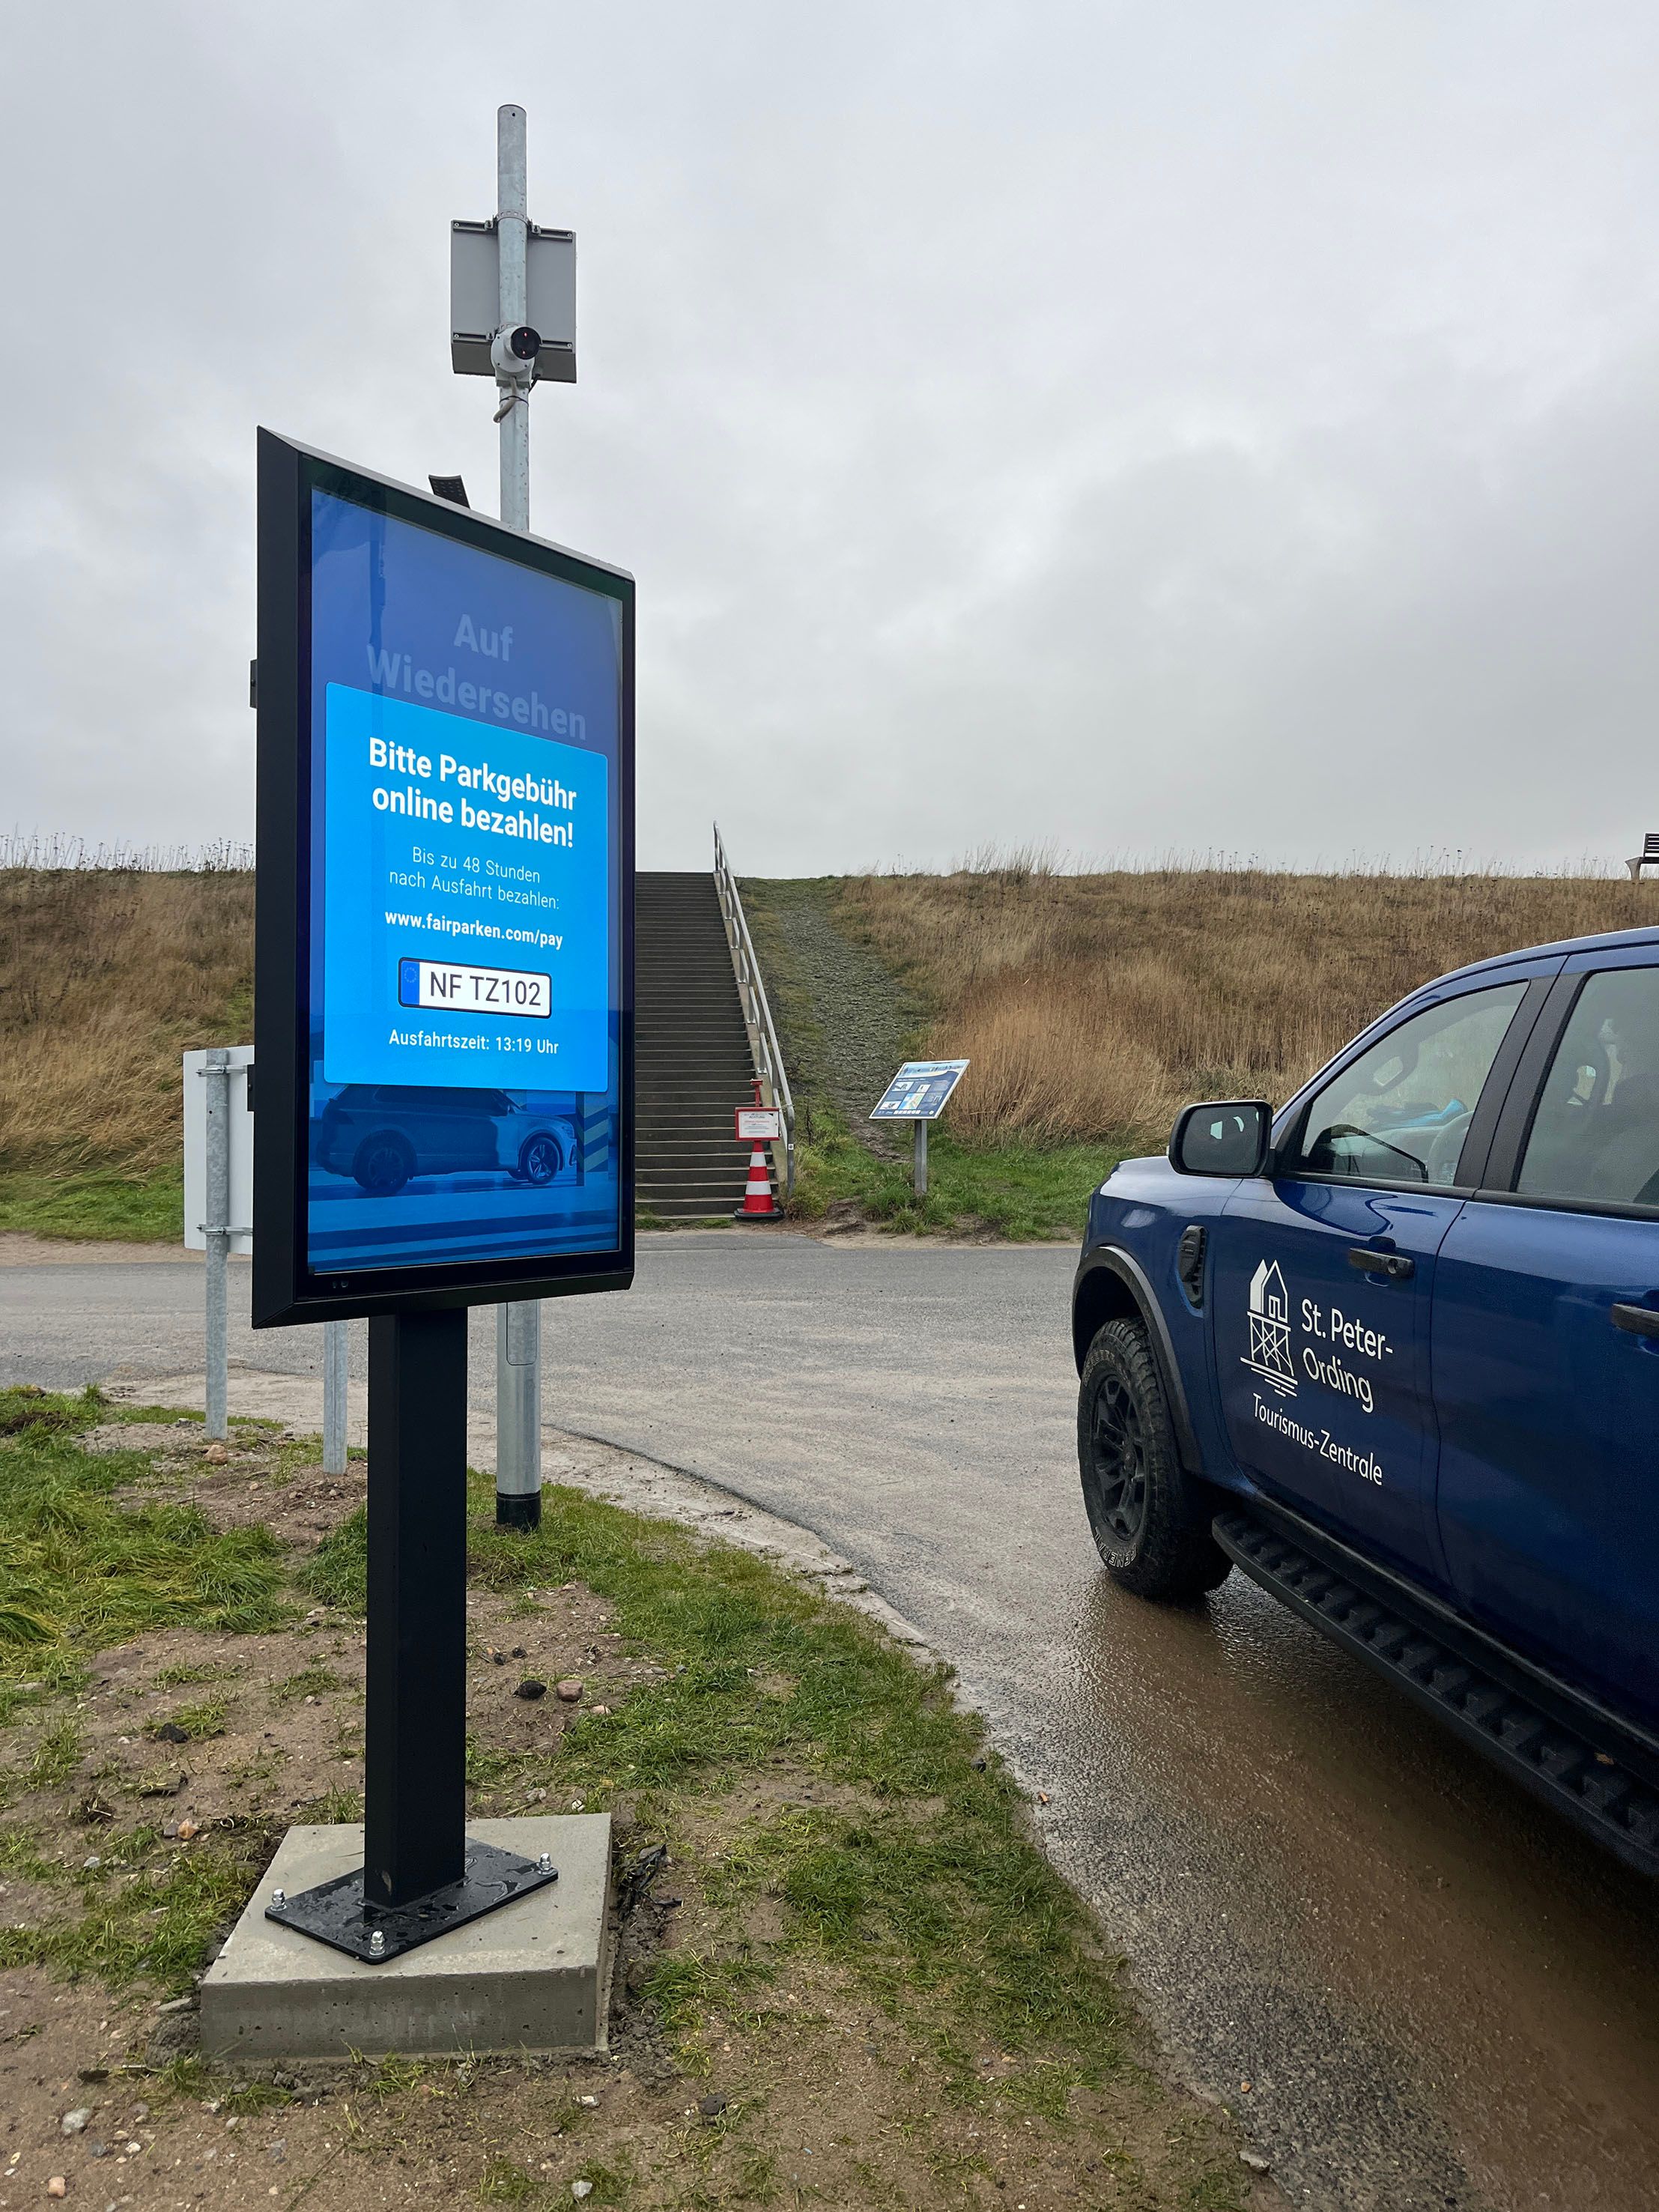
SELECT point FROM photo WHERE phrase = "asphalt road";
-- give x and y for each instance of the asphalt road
(1418, 1988)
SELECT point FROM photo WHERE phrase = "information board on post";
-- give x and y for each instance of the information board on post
(444, 962)
(919, 1091)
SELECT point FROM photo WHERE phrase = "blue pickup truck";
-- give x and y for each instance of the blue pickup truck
(1394, 1352)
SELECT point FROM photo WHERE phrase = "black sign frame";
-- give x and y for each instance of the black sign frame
(286, 1290)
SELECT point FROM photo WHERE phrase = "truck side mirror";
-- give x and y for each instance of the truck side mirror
(1226, 1137)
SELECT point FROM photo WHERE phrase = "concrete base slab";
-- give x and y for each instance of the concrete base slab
(532, 1975)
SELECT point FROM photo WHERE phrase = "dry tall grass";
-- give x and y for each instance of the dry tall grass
(106, 976)
(1090, 1006)
(1093, 1006)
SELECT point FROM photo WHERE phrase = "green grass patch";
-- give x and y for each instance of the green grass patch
(1018, 1191)
(309, 1682)
(79, 1568)
(158, 1929)
(32, 1673)
(206, 1717)
(938, 1890)
(107, 1205)
(335, 1807)
(504, 2183)
(336, 1572)
(25, 1406)
(57, 1755)
(185, 1672)
(848, 1833)
(20, 1856)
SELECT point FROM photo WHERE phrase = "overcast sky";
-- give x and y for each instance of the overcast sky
(1125, 428)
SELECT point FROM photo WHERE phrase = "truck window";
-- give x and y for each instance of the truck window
(1400, 1113)
(1595, 1132)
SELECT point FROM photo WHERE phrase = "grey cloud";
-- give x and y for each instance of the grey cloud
(1113, 426)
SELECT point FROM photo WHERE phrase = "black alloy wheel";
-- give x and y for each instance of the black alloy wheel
(1119, 1440)
(540, 1160)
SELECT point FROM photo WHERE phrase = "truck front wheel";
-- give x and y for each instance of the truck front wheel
(1150, 1520)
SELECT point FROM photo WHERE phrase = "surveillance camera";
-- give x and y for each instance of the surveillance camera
(512, 352)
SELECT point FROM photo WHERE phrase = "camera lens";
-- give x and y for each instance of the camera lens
(525, 343)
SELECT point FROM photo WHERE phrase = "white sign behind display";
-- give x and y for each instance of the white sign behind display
(919, 1091)
(239, 1058)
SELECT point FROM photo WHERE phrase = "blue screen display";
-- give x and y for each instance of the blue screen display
(465, 902)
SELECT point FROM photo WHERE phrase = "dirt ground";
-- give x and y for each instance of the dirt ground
(792, 2086)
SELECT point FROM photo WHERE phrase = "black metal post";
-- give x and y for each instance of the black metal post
(415, 1734)
(420, 1877)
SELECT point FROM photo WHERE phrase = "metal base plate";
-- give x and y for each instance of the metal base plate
(335, 1914)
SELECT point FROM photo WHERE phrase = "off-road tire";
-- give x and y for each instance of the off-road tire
(1150, 1519)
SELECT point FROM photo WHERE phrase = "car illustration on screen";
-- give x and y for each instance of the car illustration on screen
(382, 1135)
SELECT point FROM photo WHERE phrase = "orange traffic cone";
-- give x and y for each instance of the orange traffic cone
(758, 1203)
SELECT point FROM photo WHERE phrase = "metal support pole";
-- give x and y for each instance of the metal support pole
(421, 1875)
(334, 1397)
(517, 1415)
(519, 1327)
(415, 1717)
(511, 236)
(922, 1159)
(216, 1227)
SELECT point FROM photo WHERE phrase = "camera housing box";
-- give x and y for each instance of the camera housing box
(475, 295)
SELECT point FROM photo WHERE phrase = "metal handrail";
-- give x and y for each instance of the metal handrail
(756, 1014)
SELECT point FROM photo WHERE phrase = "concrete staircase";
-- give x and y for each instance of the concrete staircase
(693, 1062)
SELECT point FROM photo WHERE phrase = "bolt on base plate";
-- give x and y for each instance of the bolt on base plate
(335, 1912)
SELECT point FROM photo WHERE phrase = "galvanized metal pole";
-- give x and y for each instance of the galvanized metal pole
(334, 1397)
(922, 1159)
(216, 1227)
(519, 1326)
(511, 244)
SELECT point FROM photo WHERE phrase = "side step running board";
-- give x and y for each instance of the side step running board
(1566, 1769)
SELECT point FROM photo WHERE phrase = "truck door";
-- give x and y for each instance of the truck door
(1546, 1339)
(1323, 1276)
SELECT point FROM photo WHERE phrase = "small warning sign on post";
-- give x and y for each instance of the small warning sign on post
(761, 1125)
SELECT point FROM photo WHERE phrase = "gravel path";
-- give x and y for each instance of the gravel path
(845, 1021)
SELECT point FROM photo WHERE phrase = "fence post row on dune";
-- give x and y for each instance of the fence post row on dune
(756, 1014)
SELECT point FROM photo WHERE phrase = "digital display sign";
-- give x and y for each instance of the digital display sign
(445, 986)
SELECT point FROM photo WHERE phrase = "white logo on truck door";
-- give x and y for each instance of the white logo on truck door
(1269, 1355)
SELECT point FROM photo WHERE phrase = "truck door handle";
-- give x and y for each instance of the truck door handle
(1398, 1266)
(1640, 1321)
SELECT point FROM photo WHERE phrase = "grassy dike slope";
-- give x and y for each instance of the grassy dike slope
(106, 976)
(1093, 1006)
(1090, 1006)
(849, 1011)
(846, 1976)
